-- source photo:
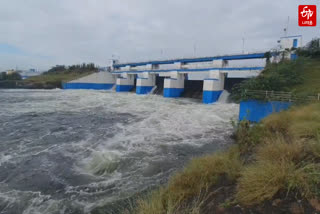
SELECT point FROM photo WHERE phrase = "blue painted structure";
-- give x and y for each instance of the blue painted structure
(295, 43)
(192, 70)
(124, 88)
(209, 97)
(294, 56)
(255, 111)
(95, 86)
(290, 36)
(193, 60)
(143, 89)
(172, 92)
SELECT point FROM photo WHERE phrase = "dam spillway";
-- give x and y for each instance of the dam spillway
(205, 75)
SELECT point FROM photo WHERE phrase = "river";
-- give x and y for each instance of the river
(65, 151)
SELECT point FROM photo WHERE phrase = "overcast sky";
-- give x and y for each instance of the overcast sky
(43, 33)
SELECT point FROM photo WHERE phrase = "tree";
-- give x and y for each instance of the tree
(3, 76)
(312, 49)
(14, 76)
(268, 56)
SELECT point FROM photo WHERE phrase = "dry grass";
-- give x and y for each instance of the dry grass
(284, 157)
(155, 203)
(280, 166)
(186, 190)
(299, 122)
(275, 163)
(276, 149)
(305, 180)
(204, 172)
(261, 181)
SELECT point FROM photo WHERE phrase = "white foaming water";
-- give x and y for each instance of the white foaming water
(87, 148)
(224, 97)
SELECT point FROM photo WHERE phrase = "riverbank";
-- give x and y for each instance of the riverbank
(273, 168)
(51, 79)
(44, 81)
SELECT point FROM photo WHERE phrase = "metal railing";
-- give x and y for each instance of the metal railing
(190, 56)
(280, 96)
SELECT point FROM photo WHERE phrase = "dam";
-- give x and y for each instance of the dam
(197, 77)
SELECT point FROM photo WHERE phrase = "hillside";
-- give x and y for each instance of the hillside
(301, 77)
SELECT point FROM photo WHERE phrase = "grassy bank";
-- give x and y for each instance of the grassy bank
(52, 80)
(275, 166)
(301, 77)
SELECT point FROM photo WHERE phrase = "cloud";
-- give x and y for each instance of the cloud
(76, 31)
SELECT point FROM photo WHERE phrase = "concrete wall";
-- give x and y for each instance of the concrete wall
(288, 42)
(145, 83)
(125, 83)
(97, 81)
(255, 111)
(213, 87)
(173, 87)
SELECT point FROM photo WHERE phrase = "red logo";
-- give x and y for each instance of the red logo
(307, 15)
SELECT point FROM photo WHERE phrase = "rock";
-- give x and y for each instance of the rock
(295, 208)
(315, 203)
(276, 202)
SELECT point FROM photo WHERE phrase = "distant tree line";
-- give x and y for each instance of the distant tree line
(10, 76)
(80, 68)
(312, 49)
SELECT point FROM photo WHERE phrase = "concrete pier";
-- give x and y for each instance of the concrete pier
(213, 87)
(145, 83)
(174, 86)
(125, 83)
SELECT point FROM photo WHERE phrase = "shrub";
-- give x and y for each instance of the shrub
(280, 166)
(248, 136)
(281, 76)
(312, 49)
(276, 149)
(155, 203)
(306, 180)
(261, 181)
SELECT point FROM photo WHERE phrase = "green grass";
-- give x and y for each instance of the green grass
(311, 78)
(301, 77)
(56, 78)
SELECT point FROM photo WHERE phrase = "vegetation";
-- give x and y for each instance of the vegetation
(60, 73)
(280, 157)
(301, 76)
(192, 184)
(9, 76)
(47, 80)
(312, 49)
(283, 76)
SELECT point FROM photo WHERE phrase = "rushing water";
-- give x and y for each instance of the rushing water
(74, 151)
